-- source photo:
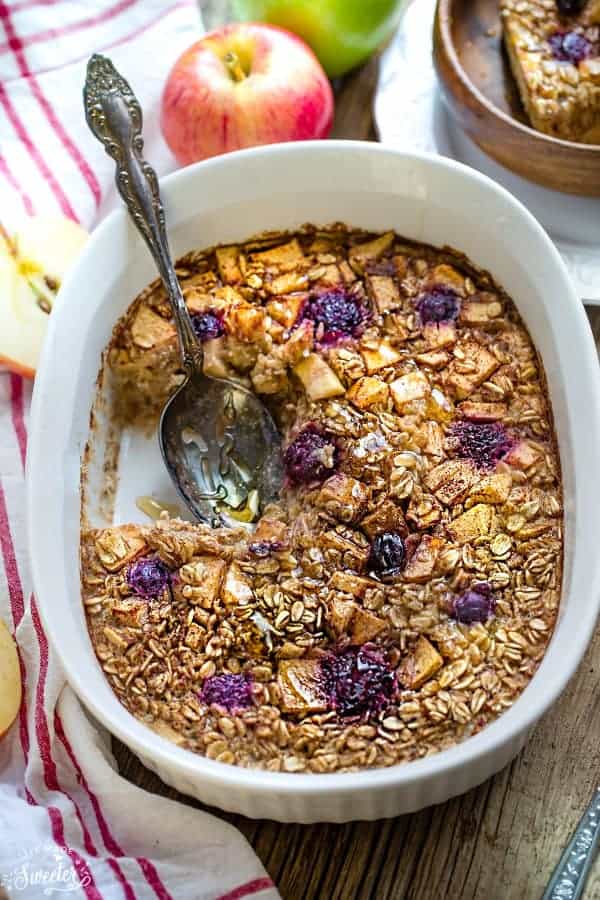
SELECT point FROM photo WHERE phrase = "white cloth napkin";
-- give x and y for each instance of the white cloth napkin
(68, 822)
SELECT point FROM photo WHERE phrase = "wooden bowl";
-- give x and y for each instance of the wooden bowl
(480, 91)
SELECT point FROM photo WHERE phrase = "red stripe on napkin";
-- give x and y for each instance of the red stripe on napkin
(106, 835)
(35, 155)
(150, 873)
(45, 750)
(18, 610)
(119, 41)
(18, 414)
(15, 590)
(53, 33)
(16, 45)
(246, 890)
(8, 174)
(27, 4)
(49, 766)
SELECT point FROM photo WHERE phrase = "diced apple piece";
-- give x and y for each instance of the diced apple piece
(340, 615)
(237, 588)
(367, 392)
(319, 380)
(245, 321)
(481, 364)
(448, 276)
(422, 663)
(491, 489)
(148, 329)
(421, 565)
(379, 357)
(299, 682)
(476, 522)
(286, 311)
(371, 250)
(196, 301)
(480, 312)
(227, 263)
(433, 359)
(10, 680)
(413, 386)
(440, 334)
(129, 612)
(384, 292)
(343, 497)
(365, 626)
(353, 554)
(287, 283)
(482, 412)
(434, 444)
(116, 547)
(325, 276)
(351, 584)
(227, 296)
(348, 618)
(451, 480)
(385, 517)
(204, 575)
(284, 254)
(523, 456)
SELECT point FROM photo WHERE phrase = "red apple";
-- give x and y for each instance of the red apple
(243, 85)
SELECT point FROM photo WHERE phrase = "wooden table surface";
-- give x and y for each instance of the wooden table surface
(499, 841)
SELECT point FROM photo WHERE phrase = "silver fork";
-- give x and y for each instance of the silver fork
(570, 875)
(218, 441)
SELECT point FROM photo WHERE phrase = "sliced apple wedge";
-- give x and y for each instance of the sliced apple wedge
(10, 680)
(33, 263)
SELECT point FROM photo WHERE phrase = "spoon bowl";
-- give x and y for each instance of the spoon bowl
(220, 446)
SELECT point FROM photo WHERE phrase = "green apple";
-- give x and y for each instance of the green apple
(342, 33)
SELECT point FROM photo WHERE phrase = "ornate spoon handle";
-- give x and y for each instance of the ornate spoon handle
(569, 877)
(115, 118)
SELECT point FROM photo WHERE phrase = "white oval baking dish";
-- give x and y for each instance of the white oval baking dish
(230, 198)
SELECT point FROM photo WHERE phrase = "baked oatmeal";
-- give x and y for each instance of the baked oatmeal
(402, 592)
(554, 52)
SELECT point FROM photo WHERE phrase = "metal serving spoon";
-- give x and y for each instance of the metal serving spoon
(218, 441)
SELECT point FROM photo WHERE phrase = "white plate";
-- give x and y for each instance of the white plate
(410, 115)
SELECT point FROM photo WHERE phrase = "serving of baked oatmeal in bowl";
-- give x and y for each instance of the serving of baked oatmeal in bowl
(394, 625)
